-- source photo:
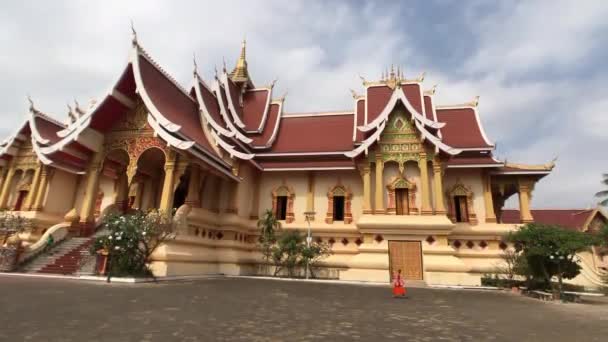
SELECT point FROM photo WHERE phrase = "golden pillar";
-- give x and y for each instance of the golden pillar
(41, 190)
(525, 190)
(488, 201)
(6, 188)
(365, 171)
(87, 211)
(31, 195)
(194, 183)
(166, 198)
(438, 182)
(424, 185)
(379, 205)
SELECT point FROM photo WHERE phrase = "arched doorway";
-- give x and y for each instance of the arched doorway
(146, 185)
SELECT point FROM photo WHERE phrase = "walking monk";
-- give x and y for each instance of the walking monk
(398, 285)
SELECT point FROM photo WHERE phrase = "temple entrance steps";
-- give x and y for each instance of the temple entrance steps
(62, 259)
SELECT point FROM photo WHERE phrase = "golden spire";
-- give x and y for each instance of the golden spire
(240, 72)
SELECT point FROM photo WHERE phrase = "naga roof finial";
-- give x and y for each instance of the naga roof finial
(133, 33)
(195, 71)
(29, 99)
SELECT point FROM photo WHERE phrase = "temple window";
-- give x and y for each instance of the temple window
(401, 197)
(461, 209)
(282, 203)
(281, 209)
(461, 204)
(339, 205)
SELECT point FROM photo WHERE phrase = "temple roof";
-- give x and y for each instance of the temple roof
(228, 117)
(574, 219)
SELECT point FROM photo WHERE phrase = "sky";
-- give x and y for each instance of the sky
(539, 67)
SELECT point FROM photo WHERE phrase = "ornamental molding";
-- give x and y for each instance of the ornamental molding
(339, 190)
(401, 182)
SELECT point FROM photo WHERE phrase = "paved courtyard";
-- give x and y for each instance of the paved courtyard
(259, 310)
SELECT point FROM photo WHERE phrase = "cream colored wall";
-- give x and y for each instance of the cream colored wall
(473, 180)
(246, 191)
(80, 194)
(298, 181)
(328, 179)
(60, 192)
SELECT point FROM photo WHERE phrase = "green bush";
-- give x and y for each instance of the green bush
(131, 241)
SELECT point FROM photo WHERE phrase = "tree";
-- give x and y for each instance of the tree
(131, 241)
(550, 251)
(291, 252)
(604, 193)
(268, 226)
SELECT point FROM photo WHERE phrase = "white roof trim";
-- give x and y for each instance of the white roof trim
(473, 166)
(521, 172)
(232, 109)
(367, 142)
(229, 123)
(308, 115)
(205, 111)
(168, 138)
(483, 132)
(310, 168)
(141, 90)
(398, 94)
(35, 133)
(230, 148)
(436, 141)
(292, 154)
(276, 125)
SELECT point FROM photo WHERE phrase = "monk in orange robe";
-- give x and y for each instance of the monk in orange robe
(398, 285)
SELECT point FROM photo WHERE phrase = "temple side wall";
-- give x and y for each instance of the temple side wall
(60, 192)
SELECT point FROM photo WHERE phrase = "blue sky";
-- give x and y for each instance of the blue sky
(539, 66)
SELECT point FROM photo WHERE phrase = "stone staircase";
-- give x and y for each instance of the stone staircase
(65, 258)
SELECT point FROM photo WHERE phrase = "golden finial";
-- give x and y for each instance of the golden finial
(392, 72)
(240, 72)
(363, 80)
(354, 94)
(475, 101)
(431, 91)
(273, 83)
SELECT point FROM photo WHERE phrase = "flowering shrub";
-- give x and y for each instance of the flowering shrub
(131, 240)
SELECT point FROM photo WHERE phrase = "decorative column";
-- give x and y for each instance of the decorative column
(488, 201)
(7, 185)
(365, 171)
(41, 189)
(525, 190)
(255, 205)
(31, 195)
(310, 195)
(87, 211)
(379, 205)
(438, 182)
(194, 183)
(424, 185)
(166, 199)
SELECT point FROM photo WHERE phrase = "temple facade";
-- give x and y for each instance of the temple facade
(396, 182)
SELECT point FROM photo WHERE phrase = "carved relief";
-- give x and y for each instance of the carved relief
(400, 182)
(339, 190)
(460, 189)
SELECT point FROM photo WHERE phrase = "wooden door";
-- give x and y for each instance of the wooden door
(407, 257)
(402, 202)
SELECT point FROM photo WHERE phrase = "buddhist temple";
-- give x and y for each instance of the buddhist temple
(398, 181)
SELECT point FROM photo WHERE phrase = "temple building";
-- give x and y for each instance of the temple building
(396, 182)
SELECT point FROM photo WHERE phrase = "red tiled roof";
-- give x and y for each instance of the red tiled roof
(377, 98)
(254, 107)
(474, 160)
(428, 107)
(306, 163)
(413, 94)
(314, 133)
(174, 104)
(462, 130)
(567, 218)
(274, 114)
